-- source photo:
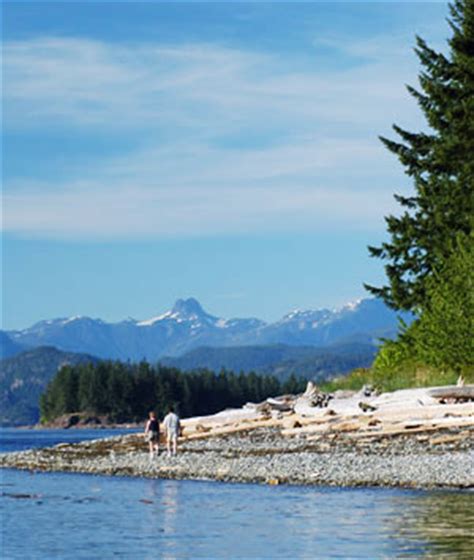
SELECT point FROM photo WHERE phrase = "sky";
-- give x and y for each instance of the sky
(226, 151)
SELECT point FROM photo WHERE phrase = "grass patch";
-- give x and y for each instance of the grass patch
(406, 376)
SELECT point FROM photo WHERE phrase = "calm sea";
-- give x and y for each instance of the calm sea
(69, 516)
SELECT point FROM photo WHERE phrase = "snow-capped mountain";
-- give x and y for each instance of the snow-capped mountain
(187, 325)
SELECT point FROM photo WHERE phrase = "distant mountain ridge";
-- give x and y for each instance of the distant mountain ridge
(187, 326)
(9, 347)
(278, 360)
(24, 377)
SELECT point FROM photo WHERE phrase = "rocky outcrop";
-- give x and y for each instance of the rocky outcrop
(83, 420)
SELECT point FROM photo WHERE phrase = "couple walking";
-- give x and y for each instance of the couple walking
(172, 428)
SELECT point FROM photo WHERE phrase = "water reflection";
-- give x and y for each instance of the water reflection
(161, 509)
(169, 500)
(443, 521)
(81, 517)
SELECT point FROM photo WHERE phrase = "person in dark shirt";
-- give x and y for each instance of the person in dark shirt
(152, 434)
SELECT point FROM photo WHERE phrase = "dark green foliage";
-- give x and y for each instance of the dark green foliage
(444, 334)
(64, 393)
(441, 164)
(439, 345)
(430, 251)
(129, 392)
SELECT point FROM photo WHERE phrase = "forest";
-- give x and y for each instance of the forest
(127, 392)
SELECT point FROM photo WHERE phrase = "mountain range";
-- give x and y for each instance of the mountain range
(188, 326)
(279, 360)
(313, 344)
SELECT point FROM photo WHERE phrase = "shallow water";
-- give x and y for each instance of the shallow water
(55, 515)
(17, 439)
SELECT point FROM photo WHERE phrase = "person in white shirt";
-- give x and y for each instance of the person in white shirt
(172, 427)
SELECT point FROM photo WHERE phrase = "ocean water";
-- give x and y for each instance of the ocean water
(17, 439)
(70, 516)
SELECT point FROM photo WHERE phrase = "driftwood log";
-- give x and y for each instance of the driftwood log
(459, 394)
(407, 411)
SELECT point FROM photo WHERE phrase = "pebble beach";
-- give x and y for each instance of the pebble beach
(264, 456)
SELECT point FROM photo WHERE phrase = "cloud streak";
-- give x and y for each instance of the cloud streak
(134, 212)
(227, 140)
(81, 82)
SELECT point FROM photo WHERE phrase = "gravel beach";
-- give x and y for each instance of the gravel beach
(443, 460)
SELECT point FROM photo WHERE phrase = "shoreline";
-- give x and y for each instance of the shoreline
(100, 428)
(412, 438)
(264, 457)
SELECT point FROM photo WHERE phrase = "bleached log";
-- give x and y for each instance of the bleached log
(408, 405)
(407, 429)
(282, 405)
(304, 408)
(321, 425)
(224, 417)
(239, 427)
(453, 392)
(424, 412)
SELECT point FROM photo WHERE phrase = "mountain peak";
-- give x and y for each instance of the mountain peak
(187, 307)
(183, 310)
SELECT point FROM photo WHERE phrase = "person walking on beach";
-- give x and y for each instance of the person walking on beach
(172, 429)
(152, 434)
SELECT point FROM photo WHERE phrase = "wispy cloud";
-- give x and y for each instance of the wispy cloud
(196, 111)
(132, 211)
(85, 82)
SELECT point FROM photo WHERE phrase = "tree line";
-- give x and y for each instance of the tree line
(127, 392)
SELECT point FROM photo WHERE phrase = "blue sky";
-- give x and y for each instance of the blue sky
(226, 151)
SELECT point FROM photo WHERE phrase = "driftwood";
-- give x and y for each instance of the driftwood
(424, 412)
(414, 428)
(311, 401)
(280, 404)
(388, 427)
(320, 425)
(465, 393)
(313, 396)
(408, 411)
(238, 427)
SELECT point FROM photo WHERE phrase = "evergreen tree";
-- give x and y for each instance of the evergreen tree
(441, 164)
(86, 387)
(144, 393)
(119, 393)
(444, 334)
(292, 385)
